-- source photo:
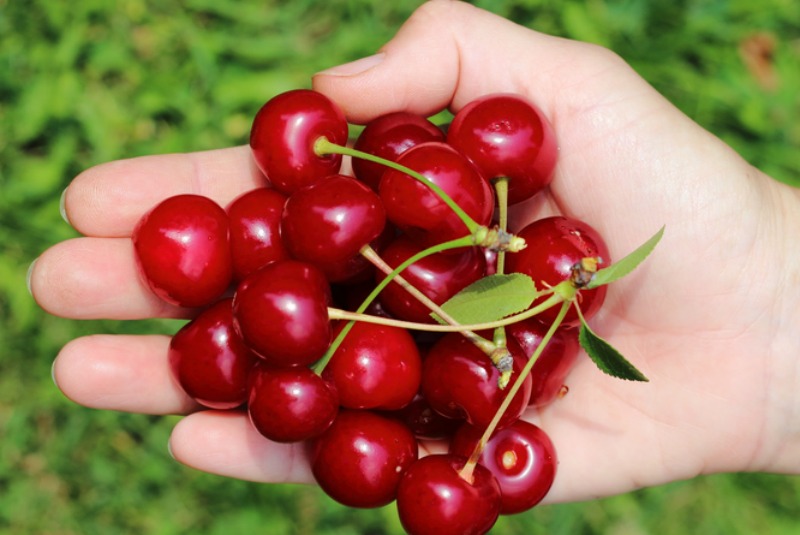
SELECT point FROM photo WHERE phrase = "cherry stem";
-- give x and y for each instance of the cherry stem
(501, 190)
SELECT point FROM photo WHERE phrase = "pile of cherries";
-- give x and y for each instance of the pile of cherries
(312, 301)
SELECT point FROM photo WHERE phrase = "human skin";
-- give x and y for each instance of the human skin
(710, 318)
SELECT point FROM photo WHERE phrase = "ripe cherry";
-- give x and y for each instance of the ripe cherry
(505, 135)
(209, 359)
(183, 252)
(283, 135)
(281, 311)
(424, 422)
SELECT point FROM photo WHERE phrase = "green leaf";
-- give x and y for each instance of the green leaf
(606, 357)
(492, 298)
(626, 265)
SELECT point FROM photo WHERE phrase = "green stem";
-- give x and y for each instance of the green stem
(501, 190)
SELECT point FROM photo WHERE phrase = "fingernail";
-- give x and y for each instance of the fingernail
(53, 373)
(355, 67)
(29, 275)
(62, 206)
(169, 449)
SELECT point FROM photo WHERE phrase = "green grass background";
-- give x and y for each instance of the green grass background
(90, 81)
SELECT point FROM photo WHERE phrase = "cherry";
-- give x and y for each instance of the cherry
(439, 276)
(283, 135)
(424, 422)
(520, 456)
(183, 252)
(375, 367)
(505, 135)
(209, 359)
(554, 363)
(460, 381)
(434, 499)
(281, 311)
(328, 222)
(418, 211)
(554, 245)
(290, 404)
(388, 136)
(255, 218)
(359, 460)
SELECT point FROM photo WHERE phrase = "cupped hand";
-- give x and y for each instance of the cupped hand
(710, 317)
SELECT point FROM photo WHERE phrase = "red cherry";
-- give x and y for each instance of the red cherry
(255, 219)
(359, 460)
(418, 211)
(388, 136)
(460, 381)
(209, 359)
(505, 135)
(433, 498)
(375, 367)
(554, 245)
(183, 252)
(283, 135)
(521, 457)
(424, 422)
(290, 404)
(281, 311)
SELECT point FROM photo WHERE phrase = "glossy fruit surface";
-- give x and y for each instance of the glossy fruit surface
(505, 135)
(433, 499)
(281, 311)
(283, 135)
(290, 404)
(255, 224)
(209, 359)
(521, 457)
(182, 250)
(359, 460)
(424, 422)
(554, 245)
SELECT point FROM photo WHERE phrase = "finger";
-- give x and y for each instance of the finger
(120, 372)
(108, 199)
(92, 278)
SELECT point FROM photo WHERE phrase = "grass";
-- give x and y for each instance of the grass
(91, 81)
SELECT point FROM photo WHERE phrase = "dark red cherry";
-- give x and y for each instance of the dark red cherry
(327, 223)
(506, 135)
(460, 381)
(418, 211)
(375, 367)
(183, 252)
(439, 276)
(281, 311)
(209, 359)
(283, 135)
(388, 136)
(554, 245)
(290, 404)
(424, 422)
(554, 363)
(433, 498)
(521, 457)
(255, 220)
(359, 460)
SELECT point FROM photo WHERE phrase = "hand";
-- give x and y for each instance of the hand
(710, 317)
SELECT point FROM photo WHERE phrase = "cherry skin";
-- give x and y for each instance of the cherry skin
(209, 359)
(424, 422)
(505, 135)
(283, 135)
(418, 211)
(327, 223)
(183, 252)
(521, 457)
(281, 311)
(290, 404)
(460, 381)
(359, 460)
(388, 136)
(433, 498)
(255, 219)
(554, 245)
(375, 367)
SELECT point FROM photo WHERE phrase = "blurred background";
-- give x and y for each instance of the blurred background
(91, 81)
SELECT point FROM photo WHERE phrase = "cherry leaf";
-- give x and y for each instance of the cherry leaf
(491, 298)
(622, 267)
(606, 357)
